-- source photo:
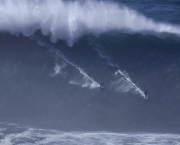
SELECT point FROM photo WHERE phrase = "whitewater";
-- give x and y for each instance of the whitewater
(35, 136)
(71, 20)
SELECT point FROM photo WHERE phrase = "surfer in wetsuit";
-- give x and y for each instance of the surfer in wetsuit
(145, 94)
(101, 85)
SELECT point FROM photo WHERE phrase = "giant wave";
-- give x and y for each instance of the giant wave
(54, 86)
(70, 20)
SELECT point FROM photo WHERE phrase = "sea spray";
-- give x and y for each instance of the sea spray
(70, 20)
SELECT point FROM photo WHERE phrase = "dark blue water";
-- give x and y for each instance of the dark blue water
(54, 54)
(166, 11)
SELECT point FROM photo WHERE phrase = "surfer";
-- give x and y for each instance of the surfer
(145, 94)
(101, 85)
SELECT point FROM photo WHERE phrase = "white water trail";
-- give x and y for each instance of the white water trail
(70, 20)
(58, 69)
(91, 85)
(124, 84)
(104, 56)
(89, 82)
(130, 82)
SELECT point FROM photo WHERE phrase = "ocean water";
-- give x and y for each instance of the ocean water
(14, 134)
(55, 54)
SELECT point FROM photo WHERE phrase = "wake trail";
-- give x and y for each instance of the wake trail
(93, 83)
(103, 55)
(128, 79)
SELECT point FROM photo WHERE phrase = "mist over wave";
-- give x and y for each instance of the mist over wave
(71, 20)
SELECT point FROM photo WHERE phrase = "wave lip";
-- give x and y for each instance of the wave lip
(71, 20)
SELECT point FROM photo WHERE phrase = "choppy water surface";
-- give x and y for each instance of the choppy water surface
(12, 134)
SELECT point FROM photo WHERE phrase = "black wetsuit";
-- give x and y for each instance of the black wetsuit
(101, 85)
(145, 94)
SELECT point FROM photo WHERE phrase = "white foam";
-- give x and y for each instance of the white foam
(124, 84)
(70, 20)
(58, 69)
(130, 83)
(121, 85)
(87, 80)
(34, 136)
(103, 55)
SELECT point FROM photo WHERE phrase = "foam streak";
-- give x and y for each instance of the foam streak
(126, 82)
(128, 79)
(92, 83)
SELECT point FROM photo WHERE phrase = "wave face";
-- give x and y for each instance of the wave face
(96, 84)
(53, 86)
(72, 19)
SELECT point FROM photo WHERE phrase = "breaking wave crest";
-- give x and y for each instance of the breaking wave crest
(71, 20)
